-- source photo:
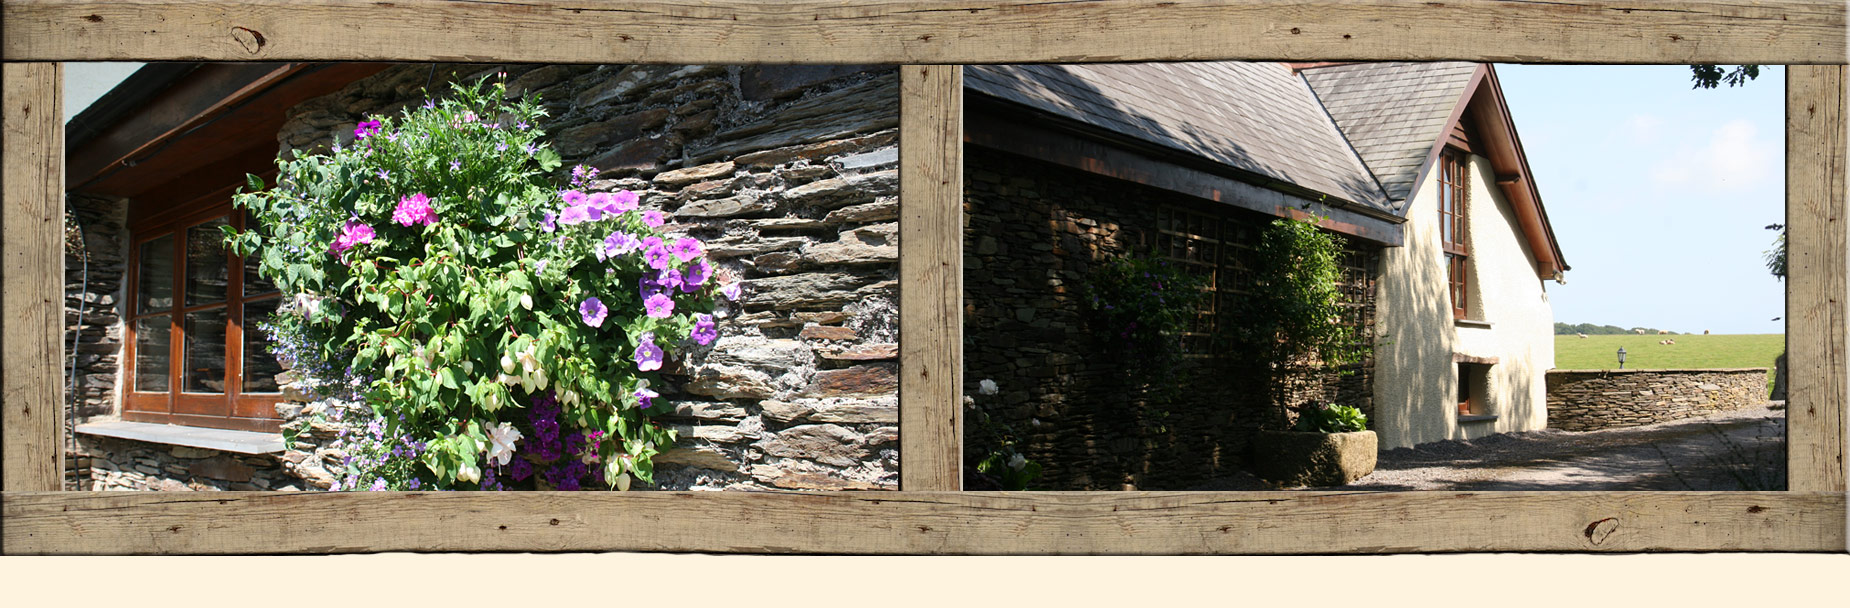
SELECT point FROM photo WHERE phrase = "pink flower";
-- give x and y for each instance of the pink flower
(695, 276)
(366, 129)
(686, 249)
(414, 209)
(593, 311)
(624, 201)
(354, 234)
(704, 329)
(659, 306)
(653, 218)
(658, 256)
(732, 291)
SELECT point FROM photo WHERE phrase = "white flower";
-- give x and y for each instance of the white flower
(987, 387)
(1018, 462)
(468, 472)
(508, 380)
(507, 364)
(526, 301)
(623, 482)
(501, 441)
(469, 367)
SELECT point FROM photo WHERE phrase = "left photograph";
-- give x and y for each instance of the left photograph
(417, 277)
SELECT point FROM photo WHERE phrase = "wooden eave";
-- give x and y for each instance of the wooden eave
(1497, 141)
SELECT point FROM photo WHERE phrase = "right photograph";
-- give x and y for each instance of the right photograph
(1278, 276)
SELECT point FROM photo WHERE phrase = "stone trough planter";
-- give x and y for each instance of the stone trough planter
(1294, 458)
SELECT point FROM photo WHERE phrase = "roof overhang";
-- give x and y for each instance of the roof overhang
(1483, 102)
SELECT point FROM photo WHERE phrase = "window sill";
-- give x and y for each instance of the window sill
(241, 442)
(1477, 418)
(1471, 323)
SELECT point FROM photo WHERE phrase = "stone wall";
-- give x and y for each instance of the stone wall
(1034, 232)
(122, 464)
(94, 265)
(789, 173)
(1589, 400)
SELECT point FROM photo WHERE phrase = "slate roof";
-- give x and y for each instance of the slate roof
(1392, 113)
(1258, 117)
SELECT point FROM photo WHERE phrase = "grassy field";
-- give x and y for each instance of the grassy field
(1690, 352)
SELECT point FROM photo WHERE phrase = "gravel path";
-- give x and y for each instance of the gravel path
(1738, 450)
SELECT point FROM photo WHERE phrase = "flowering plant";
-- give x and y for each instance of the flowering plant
(506, 330)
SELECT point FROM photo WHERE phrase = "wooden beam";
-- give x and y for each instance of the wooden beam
(922, 522)
(910, 31)
(1818, 263)
(32, 279)
(931, 277)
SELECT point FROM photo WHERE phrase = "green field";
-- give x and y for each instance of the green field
(1690, 351)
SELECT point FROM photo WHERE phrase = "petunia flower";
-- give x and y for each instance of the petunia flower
(686, 249)
(653, 218)
(593, 311)
(732, 291)
(648, 356)
(549, 222)
(704, 329)
(658, 256)
(659, 306)
(645, 397)
(623, 200)
(619, 243)
(575, 215)
(695, 276)
(573, 198)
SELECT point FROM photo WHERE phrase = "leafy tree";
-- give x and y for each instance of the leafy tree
(1776, 257)
(1708, 76)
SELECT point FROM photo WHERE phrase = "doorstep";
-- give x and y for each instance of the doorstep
(241, 442)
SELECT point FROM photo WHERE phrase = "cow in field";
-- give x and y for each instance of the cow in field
(1663, 332)
(1583, 336)
(1639, 331)
(1705, 332)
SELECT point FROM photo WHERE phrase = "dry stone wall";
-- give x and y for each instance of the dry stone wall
(94, 265)
(1034, 232)
(789, 173)
(123, 464)
(1589, 400)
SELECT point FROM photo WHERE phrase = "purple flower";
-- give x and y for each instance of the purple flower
(686, 249)
(378, 485)
(648, 355)
(531, 149)
(668, 279)
(624, 201)
(704, 329)
(501, 147)
(618, 243)
(658, 256)
(522, 125)
(695, 276)
(414, 483)
(455, 165)
(520, 469)
(593, 311)
(352, 235)
(414, 209)
(732, 291)
(549, 222)
(366, 129)
(645, 397)
(573, 198)
(384, 174)
(653, 218)
(659, 306)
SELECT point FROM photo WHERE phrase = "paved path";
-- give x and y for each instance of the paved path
(1739, 450)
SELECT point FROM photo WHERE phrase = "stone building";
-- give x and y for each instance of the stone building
(790, 174)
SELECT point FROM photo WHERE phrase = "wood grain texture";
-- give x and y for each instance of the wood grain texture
(1818, 264)
(32, 278)
(927, 31)
(931, 277)
(922, 522)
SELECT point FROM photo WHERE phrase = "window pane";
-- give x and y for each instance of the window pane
(152, 339)
(260, 367)
(254, 283)
(206, 274)
(205, 352)
(155, 293)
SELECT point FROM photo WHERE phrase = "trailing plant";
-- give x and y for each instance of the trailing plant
(1140, 305)
(1291, 323)
(1331, 418)
(504, 332)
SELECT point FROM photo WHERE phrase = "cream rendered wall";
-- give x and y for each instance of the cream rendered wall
(1415, 376)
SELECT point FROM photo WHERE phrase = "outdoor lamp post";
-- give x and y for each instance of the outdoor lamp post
(1621, 357)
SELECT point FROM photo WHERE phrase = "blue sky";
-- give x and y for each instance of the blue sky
(1658, 194)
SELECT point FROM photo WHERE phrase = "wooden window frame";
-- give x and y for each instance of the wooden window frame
(1454, 226)
(928, 516)
(242, 411)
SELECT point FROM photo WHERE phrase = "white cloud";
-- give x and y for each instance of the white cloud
(1642, 128)
(1736, 158)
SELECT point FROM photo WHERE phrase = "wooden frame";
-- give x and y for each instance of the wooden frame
(925, 517)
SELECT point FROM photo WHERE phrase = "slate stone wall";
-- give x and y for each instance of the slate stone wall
(1034, 232)
(124, 464)
(95, 262)
(1590, 400)
(790, 176)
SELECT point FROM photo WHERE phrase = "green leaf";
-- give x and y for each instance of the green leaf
(449, 377)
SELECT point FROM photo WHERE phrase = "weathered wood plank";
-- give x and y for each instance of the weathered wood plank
(925, 32)
(1818, 264)
(931, 277)
(928, 522)
(32, 278)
